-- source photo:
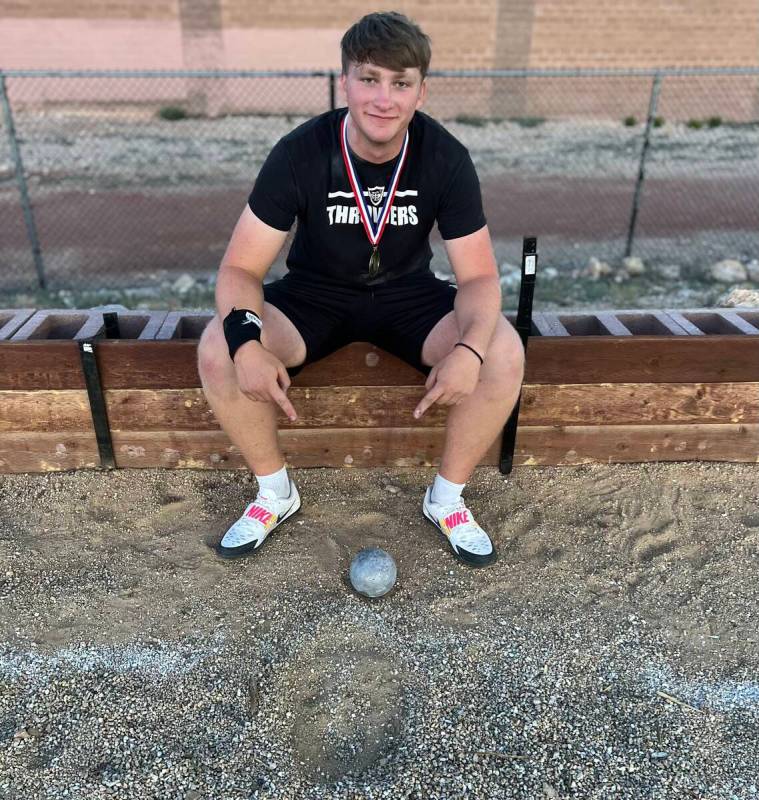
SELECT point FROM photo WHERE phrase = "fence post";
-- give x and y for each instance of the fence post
(652, 103)
(18, 166)
(332, 105)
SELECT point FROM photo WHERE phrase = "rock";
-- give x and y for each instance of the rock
(110, 307)
(752, 268)
(511, 280)
(597, 269)
(739, 297)
(549, 273)
(634, 265)
(392, 489)
(183, 284)
(728, 271)
(670, 272)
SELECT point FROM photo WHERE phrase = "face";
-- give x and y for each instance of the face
(382, 101)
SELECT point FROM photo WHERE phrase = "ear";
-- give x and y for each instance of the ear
(341, 83)
(422, 94)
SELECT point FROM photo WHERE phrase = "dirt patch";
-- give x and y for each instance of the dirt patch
(135, 663)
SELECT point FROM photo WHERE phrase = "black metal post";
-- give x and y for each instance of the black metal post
(523, 326)
(332, 105)
(111, 325)
(18, 167)
(652, 104)
(97, 403)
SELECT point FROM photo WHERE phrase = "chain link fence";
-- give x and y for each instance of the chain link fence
(116, 180)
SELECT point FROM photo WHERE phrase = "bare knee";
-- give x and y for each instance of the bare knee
(503, 370)
(214, 365)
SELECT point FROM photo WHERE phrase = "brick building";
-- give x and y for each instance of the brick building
(476, 34)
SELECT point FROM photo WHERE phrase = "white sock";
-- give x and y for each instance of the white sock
(278, 481)
(444, 492)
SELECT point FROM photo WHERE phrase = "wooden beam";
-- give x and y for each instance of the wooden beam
(48, 410)
(370, 447)
(134, 364)
(46, 452)
(40, 364)
(388, 406)
(392, 406)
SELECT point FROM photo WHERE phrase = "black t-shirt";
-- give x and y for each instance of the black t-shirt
(304, 178)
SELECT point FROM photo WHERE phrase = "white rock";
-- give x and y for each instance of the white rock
(511, 280)
(110, 307)
(728, 271)
(549, 273)
(183, 284)
(634, 265)
(597, 269)
(670, 272)
(752, 268)
(739, 297)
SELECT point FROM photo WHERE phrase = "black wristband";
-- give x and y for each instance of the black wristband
(241, 325)
(464, 344)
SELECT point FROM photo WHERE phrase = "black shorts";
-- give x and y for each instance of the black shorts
(396, 316)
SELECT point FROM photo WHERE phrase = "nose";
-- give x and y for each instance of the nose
(382, 95)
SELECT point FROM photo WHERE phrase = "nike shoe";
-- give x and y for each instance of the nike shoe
(261, 517)
(467, 539)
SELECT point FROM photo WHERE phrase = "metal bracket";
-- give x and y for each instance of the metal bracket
(523, 326)
(95, 390)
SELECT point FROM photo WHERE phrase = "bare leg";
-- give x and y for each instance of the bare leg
(250, 424)
(474, 424)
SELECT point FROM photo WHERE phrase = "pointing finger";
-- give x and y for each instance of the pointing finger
(280, 398)
(427, 401)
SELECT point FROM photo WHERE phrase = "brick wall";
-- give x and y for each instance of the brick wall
(466, 34)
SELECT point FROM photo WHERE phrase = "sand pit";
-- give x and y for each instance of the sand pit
(611, 652)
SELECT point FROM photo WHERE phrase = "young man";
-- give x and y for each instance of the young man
(366, 184)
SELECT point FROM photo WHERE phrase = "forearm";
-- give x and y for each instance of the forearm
(239, 288)
(477, 308)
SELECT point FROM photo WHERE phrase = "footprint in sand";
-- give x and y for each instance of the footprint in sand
(334, 546)
(648, 531)
(348, 712)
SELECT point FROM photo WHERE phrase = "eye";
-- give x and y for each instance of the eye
(402, 84)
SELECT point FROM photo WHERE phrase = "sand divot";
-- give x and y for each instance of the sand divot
(347, 705)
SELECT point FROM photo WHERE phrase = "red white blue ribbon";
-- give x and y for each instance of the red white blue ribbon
(373, 231)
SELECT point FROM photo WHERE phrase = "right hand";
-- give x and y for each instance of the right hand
(262, 376)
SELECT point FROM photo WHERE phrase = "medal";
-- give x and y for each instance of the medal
(374, 262)
(373, 231)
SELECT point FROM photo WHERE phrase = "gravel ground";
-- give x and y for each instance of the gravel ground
(610, 652)
(63, 149)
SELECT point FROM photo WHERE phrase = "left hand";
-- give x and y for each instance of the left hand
(451, 380)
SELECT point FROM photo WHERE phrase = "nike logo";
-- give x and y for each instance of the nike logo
(251, 318)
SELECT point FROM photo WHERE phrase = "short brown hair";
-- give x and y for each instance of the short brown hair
(387, 39)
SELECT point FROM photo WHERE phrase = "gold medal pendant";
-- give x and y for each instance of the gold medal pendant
(374, 263)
